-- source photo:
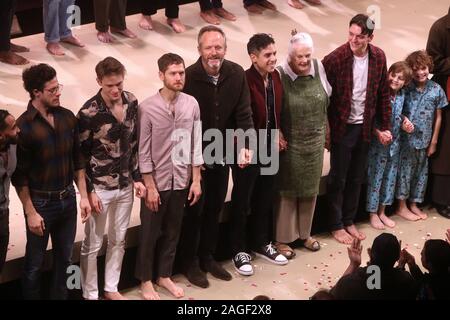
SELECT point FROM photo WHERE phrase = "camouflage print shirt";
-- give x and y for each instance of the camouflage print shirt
(109, 147)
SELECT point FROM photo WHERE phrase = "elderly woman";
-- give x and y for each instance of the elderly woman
(304, 124)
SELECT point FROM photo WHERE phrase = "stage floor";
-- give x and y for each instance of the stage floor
(403, 25)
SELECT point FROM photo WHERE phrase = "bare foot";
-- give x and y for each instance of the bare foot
(376, 222)
(415, 209)
(209, 17)
(387, 221)
(254, 8)
(105, 37)
(146, 22)
(148, 292)
(55, 49)
(176, 25)
(225, 14)
(125, 32)
(315, 2)
(10, 57)
(167, 283)
(73, 41)
(355, 233)
(296, 4)
(406, 214)
(342, 236)
(17, 48)
(268, 5)
(114, 296)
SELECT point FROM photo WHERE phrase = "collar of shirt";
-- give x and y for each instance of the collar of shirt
(170, 105)
(288, 70)
(412, 87)
(102, 103)
(32, 112)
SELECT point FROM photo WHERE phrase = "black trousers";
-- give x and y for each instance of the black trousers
(110, 13)
(348, 169)
(149, 7)
(210, 4)
(159, 234)
(4, 237)
(200, 228)
(7, 8)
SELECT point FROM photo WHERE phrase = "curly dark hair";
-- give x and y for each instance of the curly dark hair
(35, 77)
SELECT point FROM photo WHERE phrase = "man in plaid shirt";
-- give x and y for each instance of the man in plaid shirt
(358, 74)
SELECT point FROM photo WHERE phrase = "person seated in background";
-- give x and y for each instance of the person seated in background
(212, 10)
(390, 283)
(436, 259)
(56, 15)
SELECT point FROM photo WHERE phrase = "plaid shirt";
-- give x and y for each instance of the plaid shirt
(339, 68)
(47, 157)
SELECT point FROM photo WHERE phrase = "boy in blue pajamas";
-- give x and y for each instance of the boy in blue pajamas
(423, 102)
(383, 160)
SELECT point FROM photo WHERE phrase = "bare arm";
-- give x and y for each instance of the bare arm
(437, 127)
(34, 220)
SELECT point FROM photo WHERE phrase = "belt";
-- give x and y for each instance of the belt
(52, 195)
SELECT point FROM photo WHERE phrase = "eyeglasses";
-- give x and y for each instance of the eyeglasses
(56, 90)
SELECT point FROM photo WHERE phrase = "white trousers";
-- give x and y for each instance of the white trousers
(117, 205)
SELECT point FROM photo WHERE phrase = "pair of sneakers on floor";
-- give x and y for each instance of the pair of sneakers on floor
(242, 260)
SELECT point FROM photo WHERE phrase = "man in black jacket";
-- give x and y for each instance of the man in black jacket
(220, 87)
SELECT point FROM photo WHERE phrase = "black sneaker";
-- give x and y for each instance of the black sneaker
(216, 270)
(270, 253)
(242, 264)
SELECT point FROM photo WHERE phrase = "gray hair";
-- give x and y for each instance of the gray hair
(301, 38)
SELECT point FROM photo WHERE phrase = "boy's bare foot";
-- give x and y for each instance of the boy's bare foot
(114, 296)
(254, 8)
(387, 221)
(406, 214)
(10, 57)
(125, 32)
(176, 25)
(55, 49)
(355, 233)
(415, 209)
(376, 222)
(105, 37)
(296, 4)
(146, 22)
(17, 48)
(148, 292)
(209, 17)
(167, 283)
(342, 236)
(73, 41)
(225, 14)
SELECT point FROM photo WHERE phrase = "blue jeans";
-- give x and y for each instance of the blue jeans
(55, 19)
(60, 218)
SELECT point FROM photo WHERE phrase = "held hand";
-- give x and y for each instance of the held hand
(407, 125)
(245, 157)
(85, 209)
(95, 202)
(152, 200)
(431, 149)
(36, 223)
(195, 192)
(140, 189)
(385, 137)
(282, 143)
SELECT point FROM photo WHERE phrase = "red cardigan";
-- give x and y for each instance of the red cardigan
(258, 97)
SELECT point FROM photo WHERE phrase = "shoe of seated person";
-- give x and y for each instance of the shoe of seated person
(242, 264)
(271, 254)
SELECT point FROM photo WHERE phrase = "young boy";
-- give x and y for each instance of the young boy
(423, 101)
(383, 160)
